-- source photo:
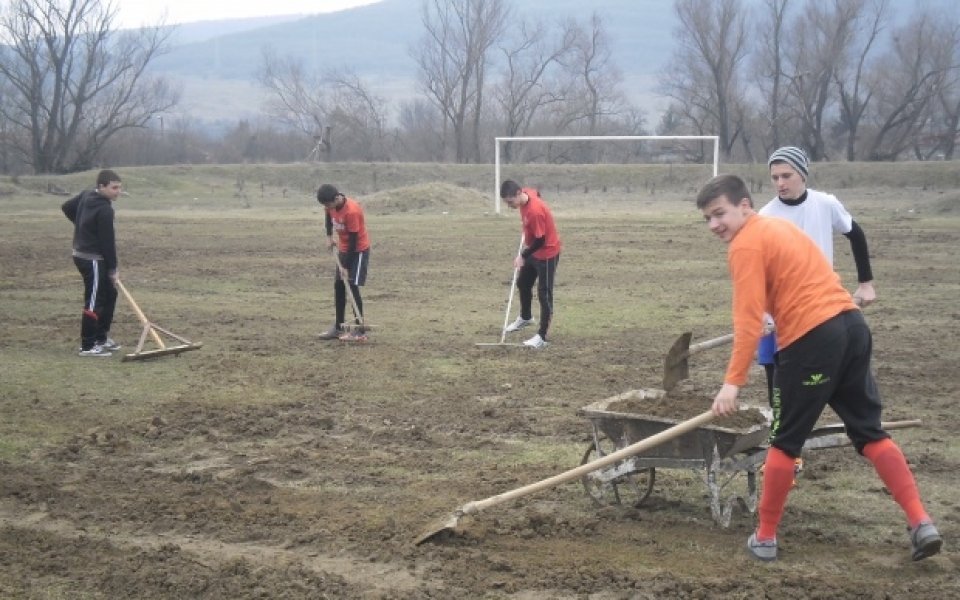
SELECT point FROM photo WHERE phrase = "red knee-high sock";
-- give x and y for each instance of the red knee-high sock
(777, 481)
(892, 468)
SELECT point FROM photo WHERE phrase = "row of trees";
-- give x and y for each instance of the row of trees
(482, 73)
(834, 76)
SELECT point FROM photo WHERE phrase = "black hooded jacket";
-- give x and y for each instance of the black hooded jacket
(93, 234)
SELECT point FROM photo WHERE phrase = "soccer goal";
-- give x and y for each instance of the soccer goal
(712, 139)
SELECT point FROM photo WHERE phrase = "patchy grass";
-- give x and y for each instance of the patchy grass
(269, 460)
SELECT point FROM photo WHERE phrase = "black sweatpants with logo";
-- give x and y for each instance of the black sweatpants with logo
(829, 365)
(99, 302)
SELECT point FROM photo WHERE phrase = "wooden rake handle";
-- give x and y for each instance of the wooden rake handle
(346, 283)
(632, 449)
(143, 318)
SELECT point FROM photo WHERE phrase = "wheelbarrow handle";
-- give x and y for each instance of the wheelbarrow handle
(578, 472)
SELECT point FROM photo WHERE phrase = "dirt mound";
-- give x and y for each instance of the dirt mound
(426, 198)
(681, 405)
(948, 204)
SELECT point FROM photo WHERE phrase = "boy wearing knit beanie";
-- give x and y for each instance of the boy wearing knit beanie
(819, 215)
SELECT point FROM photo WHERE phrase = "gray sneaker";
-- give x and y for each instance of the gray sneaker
(110, 345)
(765, 550)
(97, 350)
(331, 334)
(926, 540)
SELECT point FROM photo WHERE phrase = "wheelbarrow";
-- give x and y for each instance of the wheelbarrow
(721, 455)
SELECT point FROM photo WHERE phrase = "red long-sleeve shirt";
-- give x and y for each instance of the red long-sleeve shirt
(538, 222)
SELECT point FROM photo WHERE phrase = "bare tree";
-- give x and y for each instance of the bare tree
(941, 133)
(421, 131)
(911, 77)
(704, 75)
(74, 81)
(769, 66)
(453, 58)
(816, 46)
(946, 132)
(321, 106)
(594, 79)
(529, 82)
(851, 72)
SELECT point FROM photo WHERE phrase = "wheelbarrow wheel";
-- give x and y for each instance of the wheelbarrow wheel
(630, 489)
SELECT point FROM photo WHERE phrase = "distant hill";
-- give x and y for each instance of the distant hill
(217, 61)
(218, 69)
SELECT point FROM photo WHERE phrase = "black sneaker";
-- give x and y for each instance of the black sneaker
(331, 334)
(926, 540)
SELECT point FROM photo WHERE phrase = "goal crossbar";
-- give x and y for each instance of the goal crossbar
(594, 138)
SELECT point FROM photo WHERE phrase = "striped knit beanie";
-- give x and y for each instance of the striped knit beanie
(793, 156)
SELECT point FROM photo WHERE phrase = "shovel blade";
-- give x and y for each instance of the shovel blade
(434, 533)
(675, 366)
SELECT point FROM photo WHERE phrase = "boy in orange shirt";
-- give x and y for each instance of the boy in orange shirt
(345, 216)
(824, 351)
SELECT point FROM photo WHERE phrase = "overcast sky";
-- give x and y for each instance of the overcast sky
(134, 13)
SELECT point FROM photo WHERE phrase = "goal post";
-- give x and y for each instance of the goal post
(594, 138)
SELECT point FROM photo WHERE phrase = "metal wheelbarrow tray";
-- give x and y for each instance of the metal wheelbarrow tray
(720, 455)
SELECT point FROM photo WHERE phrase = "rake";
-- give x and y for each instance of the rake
(360, 326)
(152, 330)
(506, 315)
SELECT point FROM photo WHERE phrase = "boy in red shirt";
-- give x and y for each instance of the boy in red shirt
(824, 351)
(345, 216)
(538, 258)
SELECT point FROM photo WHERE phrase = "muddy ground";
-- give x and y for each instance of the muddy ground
(270, 464)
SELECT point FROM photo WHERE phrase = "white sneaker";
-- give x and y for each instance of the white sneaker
(536, 342)
(97, 350)
(519, 324)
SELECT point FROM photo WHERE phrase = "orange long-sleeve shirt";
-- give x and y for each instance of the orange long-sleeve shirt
(776, 268)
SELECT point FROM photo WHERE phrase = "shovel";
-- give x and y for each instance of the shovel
(476, 506)
(675, 366)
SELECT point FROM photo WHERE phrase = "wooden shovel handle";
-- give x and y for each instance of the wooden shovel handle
(723, 339)
(632, 449)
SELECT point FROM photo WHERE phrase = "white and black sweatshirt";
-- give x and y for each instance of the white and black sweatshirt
(93, 233)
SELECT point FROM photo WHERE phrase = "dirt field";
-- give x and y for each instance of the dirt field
(270, 464)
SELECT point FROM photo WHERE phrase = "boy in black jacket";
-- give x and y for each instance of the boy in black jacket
(95, 255)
